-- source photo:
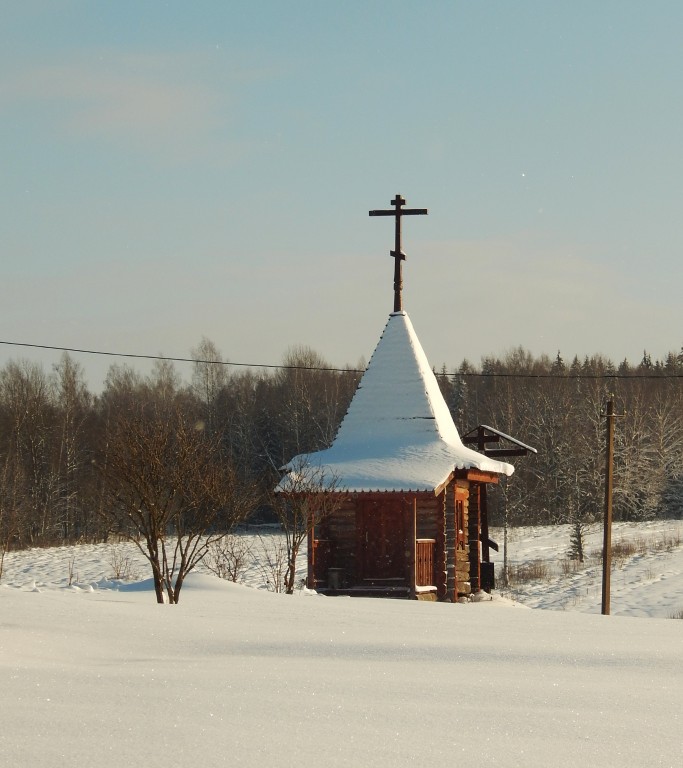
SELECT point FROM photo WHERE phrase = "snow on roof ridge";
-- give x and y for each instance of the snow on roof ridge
(398, 433)
(376, 411)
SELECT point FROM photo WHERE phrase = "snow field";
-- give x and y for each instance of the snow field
(648, 582)
(97, 674)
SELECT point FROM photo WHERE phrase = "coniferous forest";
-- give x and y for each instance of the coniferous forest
(60, 443)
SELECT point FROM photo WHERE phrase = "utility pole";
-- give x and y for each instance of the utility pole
(607, 532)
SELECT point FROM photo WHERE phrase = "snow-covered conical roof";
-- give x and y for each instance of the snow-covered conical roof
(398, 434)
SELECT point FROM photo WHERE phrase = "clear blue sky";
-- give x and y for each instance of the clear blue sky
(177, 170)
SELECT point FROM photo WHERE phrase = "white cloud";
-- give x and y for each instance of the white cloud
(159, 105)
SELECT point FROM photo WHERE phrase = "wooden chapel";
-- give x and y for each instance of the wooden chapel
(410, 520)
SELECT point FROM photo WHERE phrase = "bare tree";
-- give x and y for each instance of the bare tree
(315, 399)
(12, 505)
(209, 377)
(168, 490)
(306, 496)
(29, 426)
(73, 405)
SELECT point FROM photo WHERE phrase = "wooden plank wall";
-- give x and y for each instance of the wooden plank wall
(435, 519)
(341, 531)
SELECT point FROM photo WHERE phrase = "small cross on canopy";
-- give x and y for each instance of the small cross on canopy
(399, 211)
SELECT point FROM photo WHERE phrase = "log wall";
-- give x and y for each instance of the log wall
(444, 518)
(461, 513)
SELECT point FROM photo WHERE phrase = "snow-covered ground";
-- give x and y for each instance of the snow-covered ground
(94, 673)
(648, 582)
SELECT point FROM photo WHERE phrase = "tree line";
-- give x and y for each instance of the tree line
(558, 408)
(67, 456)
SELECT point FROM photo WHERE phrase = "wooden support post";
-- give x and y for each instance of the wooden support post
(607, 528)
(461, 511)
(441, 554)
(506, 580)
(484, 519)
(310, 580)
(473, 530)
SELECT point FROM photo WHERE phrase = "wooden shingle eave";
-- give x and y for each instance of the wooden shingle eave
(443, 485)
(376, 495)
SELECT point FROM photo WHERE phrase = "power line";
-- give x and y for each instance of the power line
(453, 374)
(178, 359)
(565, 376)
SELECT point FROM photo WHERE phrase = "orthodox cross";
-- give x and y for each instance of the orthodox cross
(398, 202)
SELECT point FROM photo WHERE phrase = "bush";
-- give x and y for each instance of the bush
(535, 570)
(229, 557)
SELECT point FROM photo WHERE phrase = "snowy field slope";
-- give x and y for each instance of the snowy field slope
(647, 582)
(97, 674)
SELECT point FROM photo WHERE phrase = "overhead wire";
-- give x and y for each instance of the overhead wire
(283, 366)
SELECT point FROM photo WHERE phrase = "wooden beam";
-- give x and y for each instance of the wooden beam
(506, 452)
(477, 476)
(474, 439)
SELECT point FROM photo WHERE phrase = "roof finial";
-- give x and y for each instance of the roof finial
(398, 202)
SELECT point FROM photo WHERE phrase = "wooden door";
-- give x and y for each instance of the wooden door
(381, 540)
